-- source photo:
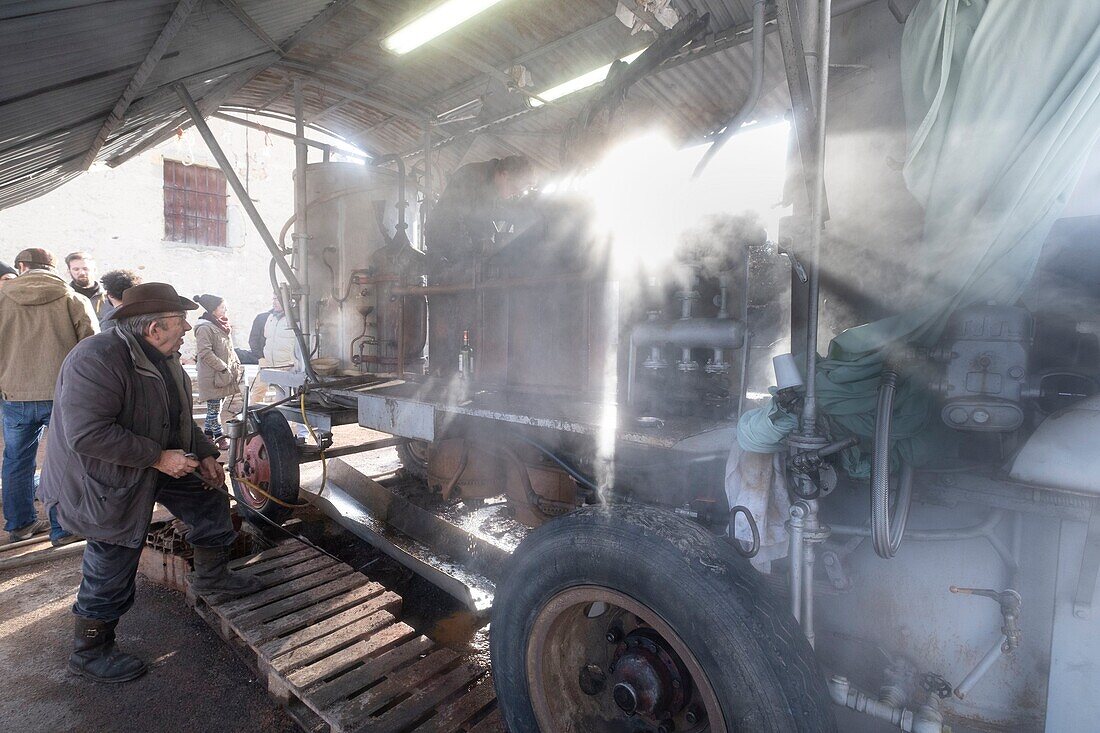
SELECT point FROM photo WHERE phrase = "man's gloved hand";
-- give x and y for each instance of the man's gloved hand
(212, 472)
(175, 463)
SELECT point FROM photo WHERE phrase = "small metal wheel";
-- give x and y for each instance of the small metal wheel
(414, 458)
(270, 462)
(626, 618)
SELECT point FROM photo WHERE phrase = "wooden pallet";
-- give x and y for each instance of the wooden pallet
(331, 642)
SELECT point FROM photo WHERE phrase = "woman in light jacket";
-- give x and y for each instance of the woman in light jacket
(220, 374)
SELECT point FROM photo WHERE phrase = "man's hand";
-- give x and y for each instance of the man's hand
(175, 463)
(211, 472)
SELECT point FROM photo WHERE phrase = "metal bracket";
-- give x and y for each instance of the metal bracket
(1090, 567)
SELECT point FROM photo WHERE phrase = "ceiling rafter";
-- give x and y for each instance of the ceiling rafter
(117, 115)
(236, 81)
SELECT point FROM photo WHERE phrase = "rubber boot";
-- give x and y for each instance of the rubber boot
(212, 574)
(96, 657)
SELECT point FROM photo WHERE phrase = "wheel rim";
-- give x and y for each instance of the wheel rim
(419, 450)
(256, 470)
(600, 660)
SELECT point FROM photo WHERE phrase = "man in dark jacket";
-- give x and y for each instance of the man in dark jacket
(115, 283)
(256, 337)
(110, 458)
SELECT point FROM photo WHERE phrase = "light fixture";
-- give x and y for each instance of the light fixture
(581, 82)
(435, 22)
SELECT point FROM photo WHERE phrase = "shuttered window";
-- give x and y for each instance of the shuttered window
(194, 204)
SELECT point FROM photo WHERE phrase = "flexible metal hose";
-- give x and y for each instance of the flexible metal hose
(886, 534)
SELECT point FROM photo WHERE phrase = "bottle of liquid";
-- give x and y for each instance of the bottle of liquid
(466, 357)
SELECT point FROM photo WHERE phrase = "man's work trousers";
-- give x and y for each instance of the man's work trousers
(107, 588)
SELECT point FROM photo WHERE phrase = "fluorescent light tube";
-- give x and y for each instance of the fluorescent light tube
(581, 82)
(435, 22)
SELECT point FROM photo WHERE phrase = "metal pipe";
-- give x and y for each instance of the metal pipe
(795, 524)
(503, 284)
(235, 183)
(995, 652)
(809, 406)
(402, 198)
(425, 207)
(735, 122)
(926, 720)
(808, 593)
(983, 530)
(632, 365)
(690, 332)
(977, 531)
(300, 236)
(746, 344)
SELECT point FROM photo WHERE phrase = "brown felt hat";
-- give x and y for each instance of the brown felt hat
(35, 256)
(152, 298)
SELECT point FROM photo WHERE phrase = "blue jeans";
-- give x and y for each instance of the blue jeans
(24, 423)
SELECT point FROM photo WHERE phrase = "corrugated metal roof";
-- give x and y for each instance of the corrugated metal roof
(64, 64)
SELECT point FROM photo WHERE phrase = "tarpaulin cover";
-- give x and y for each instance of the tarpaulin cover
(1002, 101)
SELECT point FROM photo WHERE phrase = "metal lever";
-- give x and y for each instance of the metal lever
(799, 270)
(1009, 601)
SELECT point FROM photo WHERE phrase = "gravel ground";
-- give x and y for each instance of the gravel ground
(194, 682)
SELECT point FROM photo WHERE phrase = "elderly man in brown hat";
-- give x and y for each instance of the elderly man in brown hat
(110, 458)
(41, 320)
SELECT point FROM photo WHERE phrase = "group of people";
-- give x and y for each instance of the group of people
(98, 362)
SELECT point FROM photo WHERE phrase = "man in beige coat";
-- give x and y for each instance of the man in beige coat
(41, 320)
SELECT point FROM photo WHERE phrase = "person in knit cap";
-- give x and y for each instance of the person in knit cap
(220, 374)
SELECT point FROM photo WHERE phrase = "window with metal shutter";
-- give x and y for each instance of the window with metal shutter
(194, 204)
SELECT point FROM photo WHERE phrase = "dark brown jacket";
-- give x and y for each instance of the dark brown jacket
(109, 425)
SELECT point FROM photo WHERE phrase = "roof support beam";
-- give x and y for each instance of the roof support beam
(175, 22)
(275, 95)
(248, 22)
(712, 43)
(235, 183)
(351, 96)
(470, 85)
(281, 133)
(225, 89)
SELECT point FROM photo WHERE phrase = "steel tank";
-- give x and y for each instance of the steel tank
(351, 218)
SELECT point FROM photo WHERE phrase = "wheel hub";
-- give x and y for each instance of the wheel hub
(598, 660)
(256, 469)
(647, 680)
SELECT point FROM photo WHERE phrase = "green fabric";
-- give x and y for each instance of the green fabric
(1002, 101)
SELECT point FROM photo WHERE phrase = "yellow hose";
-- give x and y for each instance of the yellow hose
(324, 461)
(258, 490)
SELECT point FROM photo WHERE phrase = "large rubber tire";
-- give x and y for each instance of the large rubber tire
(281, 450)
(753, 653)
